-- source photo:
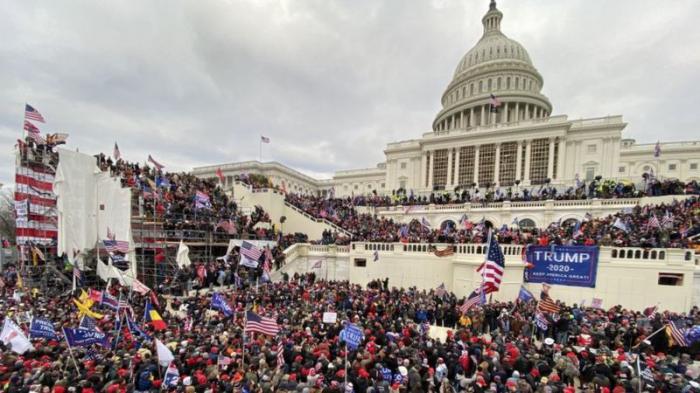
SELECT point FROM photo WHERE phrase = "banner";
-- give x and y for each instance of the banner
(563, 265)
(42, 328)
(84, 337)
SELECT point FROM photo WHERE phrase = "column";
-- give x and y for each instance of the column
(497, 165)
(517, 112)
(526, 115)
(482, 121)
(461, 120)
(457, 153)
(504, 115)
(471, 117)
(560, 160)
(449, 169)
(430, 170)
(476, 164)
(423, 164)
(550, 159)
(528, 153)
(519, 161)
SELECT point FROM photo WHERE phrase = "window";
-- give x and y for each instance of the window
(345, 188)
(671, 167)
(671, 279)
(508, 158)
(383, 185)
(498, 83)
(369, 186)
(508, 83)
(647, 168)
(489, 84)
(481, 86)
(539, 158)
(466, 166)
(403, 165)
(402, 184)
(621, 169)
(464, 92)
(356, 187)
(694, 166)
(591, 148)
(360, 262)
(487, 163)
(471, 89)
(590, 173)
(440, 169)
(526, 223)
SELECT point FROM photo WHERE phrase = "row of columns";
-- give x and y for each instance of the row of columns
(522, 174)
(460, 121)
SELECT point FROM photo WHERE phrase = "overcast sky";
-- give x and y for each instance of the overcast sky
(329, 82)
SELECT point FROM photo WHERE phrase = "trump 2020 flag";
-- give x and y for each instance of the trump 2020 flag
(164, 354)
(219, 303)
(42, 328)
(172, 376)
(524, 295)
(13, 337)
(84, 337)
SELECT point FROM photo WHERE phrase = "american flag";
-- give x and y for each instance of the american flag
(267, 265)
(677, 334)
(250, 251)
(440, 291)
(264, 139)
(78, 275)
(264, 325)
(280, 355)
(121, 246)
(653, 222)
(88, 323)
(476, 297)
(546, 304)
(667, 219)
(495, 103)
(155, 163)
(493, 267)
(116, 154)
(33, 132)
(33, 114)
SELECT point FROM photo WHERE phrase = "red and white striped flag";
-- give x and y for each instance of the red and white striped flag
(280, 354)
(155, 163)
(32, 114)
(140, 287)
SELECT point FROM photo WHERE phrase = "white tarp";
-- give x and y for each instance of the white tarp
(258, 243)
(89, 202)
(75, 187)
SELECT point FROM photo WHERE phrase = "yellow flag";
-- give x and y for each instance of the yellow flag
(84, 310)
(85, 299)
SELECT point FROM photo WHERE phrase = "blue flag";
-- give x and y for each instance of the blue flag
(110, 301)
(525, 295)
(41, 327)
(87, 323)
(219, 303)
(85, 337)
(135, 329)
(172, 376)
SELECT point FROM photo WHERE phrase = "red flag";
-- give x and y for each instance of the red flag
(220, 175)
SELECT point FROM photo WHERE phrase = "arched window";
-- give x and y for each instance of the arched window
(489, 85)
(481, 86)
(498, 83)
(471, 89)
(526, 223)
(517, 82)
(508, 83)
(464, 91)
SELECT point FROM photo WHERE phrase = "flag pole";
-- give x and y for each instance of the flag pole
(260, 143)
(70, 351)
(119, 322)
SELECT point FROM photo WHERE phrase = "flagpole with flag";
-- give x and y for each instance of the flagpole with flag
(70, 351)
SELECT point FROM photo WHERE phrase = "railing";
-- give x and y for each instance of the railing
(320, 220)
(463, 207)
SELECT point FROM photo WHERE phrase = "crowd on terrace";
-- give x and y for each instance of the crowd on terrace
(666, 225)
(491, 348)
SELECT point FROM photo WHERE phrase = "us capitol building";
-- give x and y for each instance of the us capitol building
(496, 128)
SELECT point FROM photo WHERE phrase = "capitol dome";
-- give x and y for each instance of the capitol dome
(494, 82)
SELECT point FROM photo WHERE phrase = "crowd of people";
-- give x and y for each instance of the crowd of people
(494, 347)
(669, 225)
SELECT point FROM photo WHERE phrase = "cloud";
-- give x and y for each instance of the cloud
(330, 82)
